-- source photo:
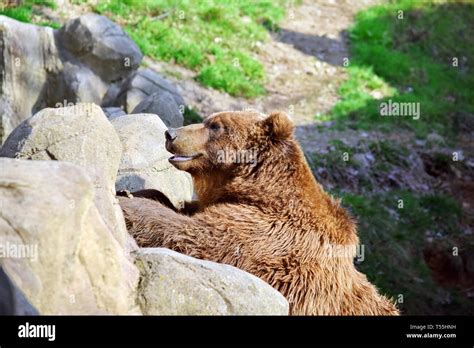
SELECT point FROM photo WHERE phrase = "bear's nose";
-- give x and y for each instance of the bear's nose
(170, 134)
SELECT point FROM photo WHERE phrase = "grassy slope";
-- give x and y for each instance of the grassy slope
(25, 12)
(394, 239)
(214, 38)
(407, 59)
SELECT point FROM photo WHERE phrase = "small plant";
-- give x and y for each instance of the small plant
(387, 152)
(191, 116)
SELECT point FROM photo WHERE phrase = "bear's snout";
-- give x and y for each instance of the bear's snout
(170, 135)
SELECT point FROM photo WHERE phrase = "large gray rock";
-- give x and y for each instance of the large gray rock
(28, 57)
(142, 84)
(79, 134)
(102, 45)
(162, 104)
(72, 263)
(176, 284)
(145, 159)
(89, 60)
(76, 83)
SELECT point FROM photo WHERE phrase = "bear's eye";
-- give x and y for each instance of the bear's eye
(214, 127)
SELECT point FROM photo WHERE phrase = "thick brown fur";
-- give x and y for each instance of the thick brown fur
(269, 217)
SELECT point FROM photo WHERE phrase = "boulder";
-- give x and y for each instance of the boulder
(161, 103)
(28, 57)
(176, 284)
(79, 134)
(87, 60)
(102, 45)
(142, 84)
(76, 83)
(145, 159)
(71, 263)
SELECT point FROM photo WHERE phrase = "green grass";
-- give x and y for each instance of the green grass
(385, 151)
(409, 60)
(394, 240)
(25, 12)
(215, 38)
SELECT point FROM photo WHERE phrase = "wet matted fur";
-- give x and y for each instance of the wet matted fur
(267, 216)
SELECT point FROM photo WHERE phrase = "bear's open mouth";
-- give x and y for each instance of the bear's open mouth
(183, 158)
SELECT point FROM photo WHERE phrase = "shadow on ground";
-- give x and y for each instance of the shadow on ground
(323, 48)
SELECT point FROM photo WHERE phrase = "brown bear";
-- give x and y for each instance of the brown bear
(260, 209)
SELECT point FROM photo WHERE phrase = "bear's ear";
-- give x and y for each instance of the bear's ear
(278, 125)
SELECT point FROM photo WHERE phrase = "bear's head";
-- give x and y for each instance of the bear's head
(227, 141)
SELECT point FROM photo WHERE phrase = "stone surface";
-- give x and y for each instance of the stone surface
(88, 60)
(141, 85)
(72, 264)
(79, 134)
(162, 104)
(76, 83)
(102, 45)
(145, 160)
(112, 112)
(176, 284)
(28, 56)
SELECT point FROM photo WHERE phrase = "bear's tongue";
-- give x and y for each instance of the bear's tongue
(181, 158)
